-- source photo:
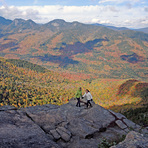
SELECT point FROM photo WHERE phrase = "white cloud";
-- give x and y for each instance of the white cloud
(146, 9)
(2, 2)
(106, 1)
(114, 9)
(118, 1)
(84, 14)
(13, 12)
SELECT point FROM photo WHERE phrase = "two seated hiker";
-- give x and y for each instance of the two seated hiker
(79, 97)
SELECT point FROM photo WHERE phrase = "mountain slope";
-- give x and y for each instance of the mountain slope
(77, 47)
(24, 84)
(145, 30)
(29, 77)
(112, 27)
(18, 25)
(28, 84)
(4, 22)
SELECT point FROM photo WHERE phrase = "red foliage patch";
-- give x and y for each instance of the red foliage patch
(125, 87)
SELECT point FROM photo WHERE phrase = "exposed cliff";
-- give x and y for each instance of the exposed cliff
(51, 126)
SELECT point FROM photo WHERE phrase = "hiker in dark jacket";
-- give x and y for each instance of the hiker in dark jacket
(78, 96)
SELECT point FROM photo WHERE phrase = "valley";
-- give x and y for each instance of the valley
(76, 47)
(46, 64)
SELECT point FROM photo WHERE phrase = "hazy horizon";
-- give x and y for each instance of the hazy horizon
(123, 13)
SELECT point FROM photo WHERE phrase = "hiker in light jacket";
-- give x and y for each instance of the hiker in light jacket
(88, 97)
(78, 96)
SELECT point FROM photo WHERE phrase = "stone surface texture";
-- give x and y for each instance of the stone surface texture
(66, 126)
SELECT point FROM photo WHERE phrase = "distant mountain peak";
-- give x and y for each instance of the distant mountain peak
(57, 24)
(145, 30)
(4, 21)
(18, 21)
(75, 23)
(21, 24)
(31, 21)
(58, 21)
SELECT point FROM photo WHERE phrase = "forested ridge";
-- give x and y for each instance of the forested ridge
(77, 47)
(25, 84)
(22, 87)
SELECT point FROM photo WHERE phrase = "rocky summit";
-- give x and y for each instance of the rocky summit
(67, 126)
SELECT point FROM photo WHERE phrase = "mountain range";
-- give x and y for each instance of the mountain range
(4, 22)
(43, 65)
(144, 30)
(102, 51)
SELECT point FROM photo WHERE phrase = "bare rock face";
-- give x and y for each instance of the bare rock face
(66, 126)
(133, 140)
(18, 131)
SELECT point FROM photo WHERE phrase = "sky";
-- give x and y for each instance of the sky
(119, 13)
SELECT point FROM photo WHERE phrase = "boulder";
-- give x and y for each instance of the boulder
(82, 128)
(65, 134)
(117, 115)
(133, 140)
(55, 134)
(19, 131)
(131, 125)
(120, 124)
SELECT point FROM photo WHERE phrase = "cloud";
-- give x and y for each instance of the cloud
(146, 9)
(106, 1)
(3, 2)
(118, 1)
(113, 9)
(85, 14)
(13, 12)
(129, 5)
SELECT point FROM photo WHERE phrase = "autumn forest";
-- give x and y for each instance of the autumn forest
(46, 64)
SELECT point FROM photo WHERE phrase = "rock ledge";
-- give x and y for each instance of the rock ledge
(66, 126)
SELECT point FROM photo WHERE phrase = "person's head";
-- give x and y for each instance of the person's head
(80, 88)
(87, 90)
